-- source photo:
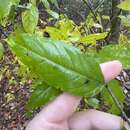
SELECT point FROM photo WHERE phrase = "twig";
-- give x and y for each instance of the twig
(112, 18)
(94, 14)
(118, 104)
(99, 5)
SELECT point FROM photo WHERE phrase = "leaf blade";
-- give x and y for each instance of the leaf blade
(62, 63)
(41, 96)
(30, 19)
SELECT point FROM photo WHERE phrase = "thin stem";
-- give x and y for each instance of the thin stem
(94, 14)
(99, 5)
(118, 104)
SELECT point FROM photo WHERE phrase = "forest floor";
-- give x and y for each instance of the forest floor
(14, 89)
(13, 95)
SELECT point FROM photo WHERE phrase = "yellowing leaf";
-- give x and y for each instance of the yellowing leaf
(125, 5)
(54, 33)
(66, 25)
(106, 17)
(92, 38)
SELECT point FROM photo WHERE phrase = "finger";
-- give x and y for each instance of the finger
(64, 105)
(111, 69)
(95, 120)
(61, 108)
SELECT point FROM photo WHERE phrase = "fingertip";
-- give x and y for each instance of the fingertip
(111, 69)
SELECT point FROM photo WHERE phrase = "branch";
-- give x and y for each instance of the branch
(99, 5)
(118, 104)
(94, 14)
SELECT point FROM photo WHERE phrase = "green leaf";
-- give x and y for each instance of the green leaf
(54, 33)
(106, 17)
(122, 53)
(64, 30)
(93, 102)
(5, 7)
(1, 51)
(125, 5)
(59, 65)
(91, 38)
(66, 26)
(15, 2)
(33, 2)
(46, 4)
(41, 95)
(89, 20)
(55, 2)
(53, 14)
(118, 92)
(30, 19)
(125, 20)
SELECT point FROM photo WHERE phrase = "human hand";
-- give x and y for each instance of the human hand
(60, 114)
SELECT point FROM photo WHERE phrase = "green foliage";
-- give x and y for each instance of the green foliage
(41, 95)
(122, 53)
(92, 38)
(5, 8)
(53, 14)
(66, 30)
(125, 5)
(62, 66)
(89, 21)
(15, 2)
(125, 20)
(46, 3)
(33, 2)
(93, 102)
(1, 51)
(30, 19)
(117, 90)
(54, 2)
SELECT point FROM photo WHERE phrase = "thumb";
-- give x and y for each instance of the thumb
(65, 104)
